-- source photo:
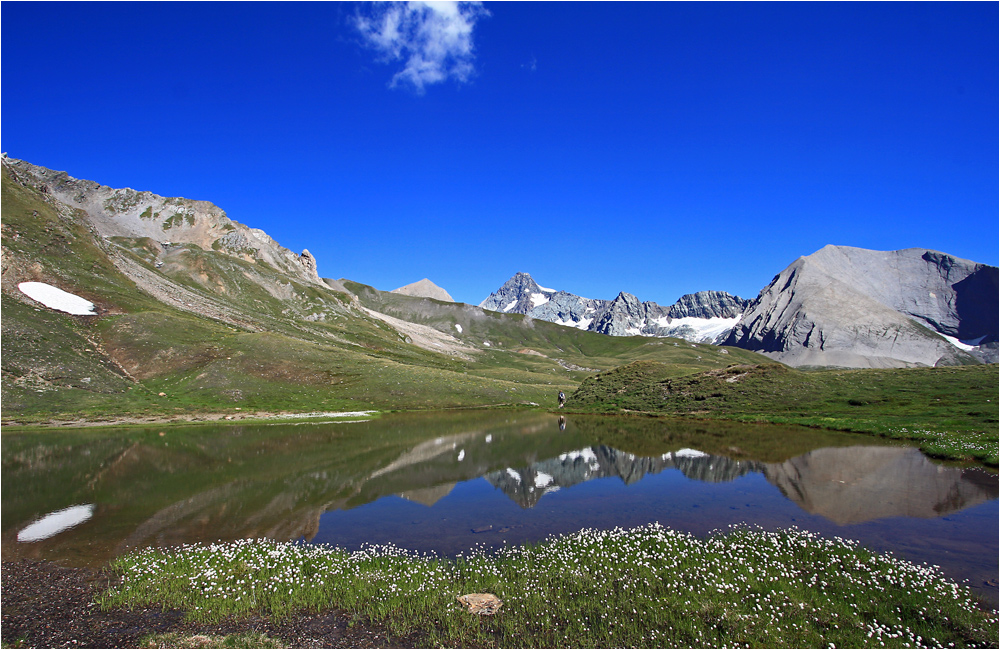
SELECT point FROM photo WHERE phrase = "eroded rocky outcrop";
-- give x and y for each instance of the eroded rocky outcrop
(852, 307)
(136, 214)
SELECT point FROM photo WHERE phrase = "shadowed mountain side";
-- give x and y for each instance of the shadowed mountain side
(851, 485)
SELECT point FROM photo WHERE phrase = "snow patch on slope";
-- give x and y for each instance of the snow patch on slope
(703, 327)
(689, 453)
(582, 324)
(538, 299)
(968, 346)
(55, 298)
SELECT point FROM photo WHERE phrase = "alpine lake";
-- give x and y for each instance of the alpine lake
(448, 482)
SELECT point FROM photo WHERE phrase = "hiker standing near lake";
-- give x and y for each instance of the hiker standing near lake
(562, 399)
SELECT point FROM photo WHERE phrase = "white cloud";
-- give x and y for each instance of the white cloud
(433, 38)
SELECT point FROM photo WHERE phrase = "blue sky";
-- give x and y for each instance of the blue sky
(654, 148)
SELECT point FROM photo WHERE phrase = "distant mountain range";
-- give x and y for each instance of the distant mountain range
(131, 252)
(700, 317)
(840, 306)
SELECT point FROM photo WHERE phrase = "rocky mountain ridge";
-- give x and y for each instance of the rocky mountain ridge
(839, 307)
(168, 221)
(700, 317)
(853, 307)
(527, 485)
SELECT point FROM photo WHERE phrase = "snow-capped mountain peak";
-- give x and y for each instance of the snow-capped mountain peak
(700, 317)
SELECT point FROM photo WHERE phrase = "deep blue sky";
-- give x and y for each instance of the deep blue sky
(655, 148)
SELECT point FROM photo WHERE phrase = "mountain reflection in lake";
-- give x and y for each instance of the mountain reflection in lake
(448, 482)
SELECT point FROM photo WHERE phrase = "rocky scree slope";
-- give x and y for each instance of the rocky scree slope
(168, 221)
(699, 317)
(852, 307)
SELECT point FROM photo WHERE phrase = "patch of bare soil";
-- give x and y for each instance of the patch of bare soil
(45, 605)
(426, 337)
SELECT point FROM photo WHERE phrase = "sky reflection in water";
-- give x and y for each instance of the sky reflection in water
(449, 482)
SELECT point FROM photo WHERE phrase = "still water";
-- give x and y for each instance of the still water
(447, 482)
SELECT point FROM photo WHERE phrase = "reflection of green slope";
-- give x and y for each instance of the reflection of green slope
(435, 462)
(208, 483)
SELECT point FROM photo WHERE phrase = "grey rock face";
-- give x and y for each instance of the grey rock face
(853, 307)
(567, 309)
(519, 295)
(626, 316)
(129, 213)
(708, 304)
(623, 316)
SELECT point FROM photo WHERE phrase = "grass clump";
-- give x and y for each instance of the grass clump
(643, 587)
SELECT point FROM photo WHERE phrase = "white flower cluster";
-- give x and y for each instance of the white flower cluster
(648, 586)
(977, 445)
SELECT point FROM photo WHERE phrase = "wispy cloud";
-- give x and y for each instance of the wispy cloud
(433, 38)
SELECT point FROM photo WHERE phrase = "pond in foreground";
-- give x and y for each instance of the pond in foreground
(446, 482)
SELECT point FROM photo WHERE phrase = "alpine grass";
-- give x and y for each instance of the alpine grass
(643, 587)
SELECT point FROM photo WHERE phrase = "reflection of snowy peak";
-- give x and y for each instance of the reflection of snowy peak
(846, 485)
(527, 485)
(713, 469)
(700, 317)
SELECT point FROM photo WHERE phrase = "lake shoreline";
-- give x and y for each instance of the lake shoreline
(46, 605)
(255, 417)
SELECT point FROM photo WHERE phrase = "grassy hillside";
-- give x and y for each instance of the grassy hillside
(952, 411)
(214, 332)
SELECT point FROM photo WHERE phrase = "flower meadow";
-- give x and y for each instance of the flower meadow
(643, 587)
(982, 446)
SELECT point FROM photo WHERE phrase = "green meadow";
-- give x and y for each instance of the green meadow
(951, 411)
(644, 587)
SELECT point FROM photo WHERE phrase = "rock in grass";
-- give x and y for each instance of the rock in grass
(482, 604)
